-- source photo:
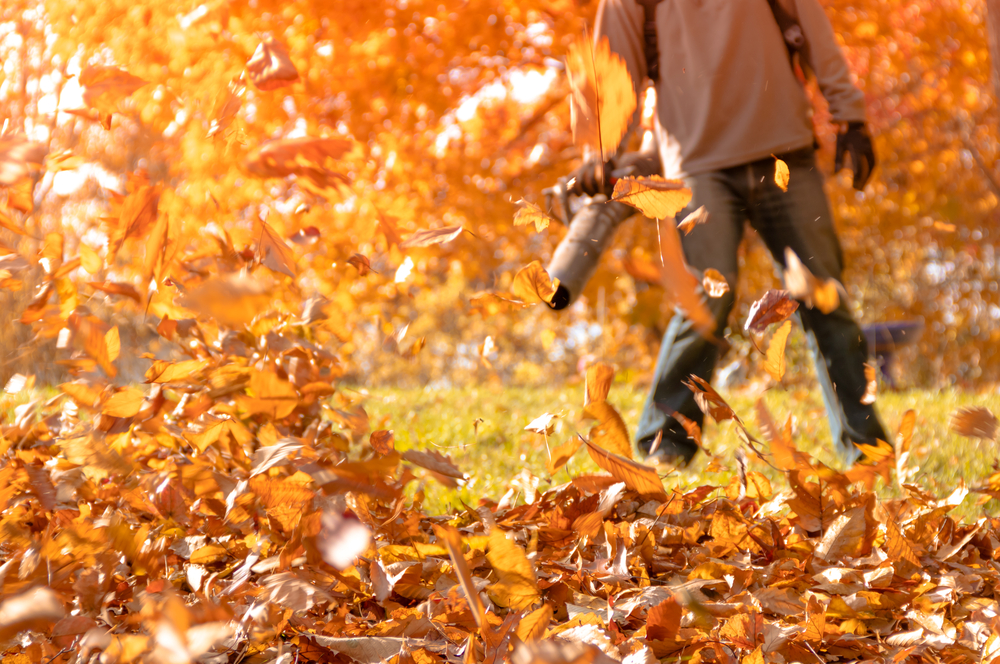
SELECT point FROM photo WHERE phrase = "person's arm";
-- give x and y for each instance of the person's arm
(847, 102)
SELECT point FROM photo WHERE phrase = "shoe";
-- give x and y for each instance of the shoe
(676, 453)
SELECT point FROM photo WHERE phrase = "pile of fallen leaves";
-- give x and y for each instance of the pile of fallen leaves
(241, 510)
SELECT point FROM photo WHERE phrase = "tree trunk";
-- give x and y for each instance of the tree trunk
(993, 37)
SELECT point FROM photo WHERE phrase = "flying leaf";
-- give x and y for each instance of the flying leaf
(383, 442)
(680, 283)
(803, 285)
(975, 422)
(534, 625)
(517, 587)
(105, 87)
(781, 174)
(125, 403)
(541, 424)
(233, 300)
(714, 283)
(273, 252)
(610, 433)
(270, 67)
(35, 609)
(18, 158)
(162, 371)
(117, 288)
(269, 456)
(341, 540)
(643, 271)
(429, 236)
(699, 216)
(271, 395)
(563, 453)
(113, 343)
(602, 99)
(226, 107)
(599, 379)
(361, 264)
(89, 259)
(90, 333)
(138, 214)
(532, 284)
(774, 307)
(709, 401)
(775, 362)
(436, 463)
(638, 477)
(530, 213)
(314, 160)
(655, 197)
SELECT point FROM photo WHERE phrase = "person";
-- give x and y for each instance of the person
(728, 102)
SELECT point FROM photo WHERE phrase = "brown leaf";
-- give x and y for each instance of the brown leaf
(803, 285)
(273, 253)
(664, 620)
(530, 213)
(532, 284)
(655, 197)
(600, 376)
(643, 271)
(382, 441)
(781, 174)
(603, 99)
(35, 609)
(361, 264)
(714, 283)
(427, 237)
(435, 462)
(844, 537)
(311, 158)
(563, 453)
(270, 67)
(774, 307)
(117, 288)
(638, 477)
(975, 422)
(699, 216)
(18, 158)
(709, 401)
(775, 362)
(610, 433)
(517, 586)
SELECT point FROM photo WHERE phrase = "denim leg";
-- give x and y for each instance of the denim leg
(684, 351)
(800, 218)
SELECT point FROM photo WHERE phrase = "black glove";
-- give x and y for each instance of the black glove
(587, 178)
(858, 144)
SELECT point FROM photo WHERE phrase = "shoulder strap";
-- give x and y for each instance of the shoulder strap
(795, 41)
(652, 50)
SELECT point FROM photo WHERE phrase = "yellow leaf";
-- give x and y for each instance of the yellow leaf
(756, 657)
(89, 259)
(610, 432)
(429, 236)
(804, 286)
(638, 477)
(562, 454)
(530, 213)
(714, 283)
(781, 174)
(124, 404)
(532, 284)
(168, 372)
(603, 99)
(517, 587)
(113, 343)
(655, 197)
(271, 395)
(775, 362)
(209, 553)
(126, 648)
(532, 627)
(599, 379)
(233, 300)
(453, 542)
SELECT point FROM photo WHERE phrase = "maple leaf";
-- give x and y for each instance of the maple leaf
(270, 67)
(603, 100)
(655, 196)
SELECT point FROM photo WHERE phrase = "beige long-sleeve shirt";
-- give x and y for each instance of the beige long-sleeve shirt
(727, 94)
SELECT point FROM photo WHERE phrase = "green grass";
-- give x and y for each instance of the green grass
(498, 450)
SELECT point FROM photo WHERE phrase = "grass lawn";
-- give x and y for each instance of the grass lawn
(498, 450)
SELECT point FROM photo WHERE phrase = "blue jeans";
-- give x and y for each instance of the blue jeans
(800, 219)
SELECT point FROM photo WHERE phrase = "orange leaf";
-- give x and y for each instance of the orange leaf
(18, 158)
(270, 67)
(125, 403)
(599, 379)
(603, 98)
(610, 433)
(453, 542)
(680, 283)
(382, 442)
(781, 174)
(699, 216)
(775, 362)
(105, 87)
(803, 285)
(113, 343)
(655, 197)
(534, 625)
(714, 283)
(233, 300)
(638, 477)
(563, 453)
(517, 587)
(168, 372)
(427, 237)
(273, 252)
(532, 284)
(530, 213)
(663, 621)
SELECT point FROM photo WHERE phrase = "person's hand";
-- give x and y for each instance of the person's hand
(856, 142)
(588, 178)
